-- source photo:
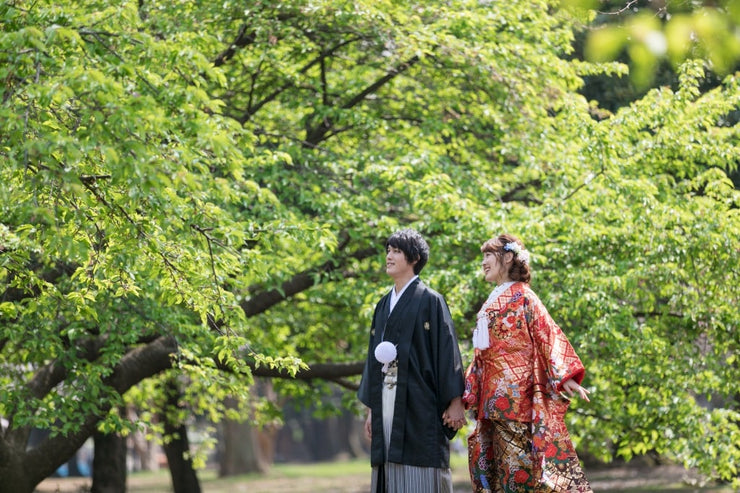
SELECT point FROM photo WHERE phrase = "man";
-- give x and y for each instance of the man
(414, 391)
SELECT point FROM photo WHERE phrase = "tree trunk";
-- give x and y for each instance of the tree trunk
(143, 457)
(184, 479)
(240, 451)
(245, 448)
(109, 464)
(177, 448)
(14, 479)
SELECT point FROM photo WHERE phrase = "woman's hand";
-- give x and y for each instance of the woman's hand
(454, 415)
(571, 387)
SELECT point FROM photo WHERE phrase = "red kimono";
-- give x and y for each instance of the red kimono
(521, 442)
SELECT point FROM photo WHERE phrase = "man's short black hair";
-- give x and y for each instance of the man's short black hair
(413, 246)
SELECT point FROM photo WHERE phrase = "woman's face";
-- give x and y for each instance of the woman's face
(491, 266)
(494, 269)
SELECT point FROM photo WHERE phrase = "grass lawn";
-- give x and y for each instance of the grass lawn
(353, 476)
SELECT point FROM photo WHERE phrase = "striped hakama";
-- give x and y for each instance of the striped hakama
(403, 478)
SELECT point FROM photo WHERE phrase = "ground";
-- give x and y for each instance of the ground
(353, 477)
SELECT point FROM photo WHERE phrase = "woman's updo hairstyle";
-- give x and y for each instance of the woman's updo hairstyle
(519, 270)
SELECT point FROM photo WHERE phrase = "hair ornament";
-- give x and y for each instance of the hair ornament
(518, 251)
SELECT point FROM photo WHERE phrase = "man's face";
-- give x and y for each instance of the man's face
(396, 264)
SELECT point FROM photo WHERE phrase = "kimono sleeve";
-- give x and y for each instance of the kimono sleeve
(363, 392)
(559, 358)
(449, 361)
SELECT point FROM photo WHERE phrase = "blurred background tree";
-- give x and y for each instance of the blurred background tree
(650, 34)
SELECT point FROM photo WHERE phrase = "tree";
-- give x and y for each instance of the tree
(109, 464)
(650, 33)
(200, 193)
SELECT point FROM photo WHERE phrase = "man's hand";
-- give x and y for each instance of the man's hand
(369, 425)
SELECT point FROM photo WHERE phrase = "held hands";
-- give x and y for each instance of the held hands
(454, 415)
(571, 387)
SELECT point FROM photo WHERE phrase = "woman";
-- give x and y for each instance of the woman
(523, 363)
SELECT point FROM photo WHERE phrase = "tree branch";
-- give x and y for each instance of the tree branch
(264, 300)
(316, 134)
(325, 371)
(139, 364)
(252, 109)
(244, 37)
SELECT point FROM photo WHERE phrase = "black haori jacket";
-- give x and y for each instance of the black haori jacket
(430, 375)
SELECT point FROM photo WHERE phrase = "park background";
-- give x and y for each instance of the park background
(194, 198)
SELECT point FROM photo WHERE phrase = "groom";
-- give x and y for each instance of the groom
(414, 401)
